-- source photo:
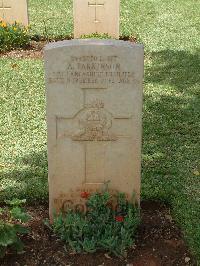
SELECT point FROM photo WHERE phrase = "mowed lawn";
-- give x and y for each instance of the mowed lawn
(170, 33)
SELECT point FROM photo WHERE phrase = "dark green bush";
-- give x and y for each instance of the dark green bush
(10, 226)
(13, 36)
(102, 227)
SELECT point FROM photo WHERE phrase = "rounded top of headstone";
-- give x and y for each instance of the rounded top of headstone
(86, 42)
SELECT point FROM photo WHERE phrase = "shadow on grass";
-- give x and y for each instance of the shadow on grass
(170, 123)
(27, 180)
(176, 68)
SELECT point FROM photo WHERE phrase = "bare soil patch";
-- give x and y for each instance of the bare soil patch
(159, 242)
(34, 51)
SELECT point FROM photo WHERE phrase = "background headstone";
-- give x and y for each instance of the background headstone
(94, 114)
(96, 16)
(14, 10)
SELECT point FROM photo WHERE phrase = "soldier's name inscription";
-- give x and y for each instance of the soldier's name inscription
(92, 70)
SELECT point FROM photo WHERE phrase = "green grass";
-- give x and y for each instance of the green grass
(172, 24)
(171, 127)
(51, 18)
(23, 161)
(171, 114)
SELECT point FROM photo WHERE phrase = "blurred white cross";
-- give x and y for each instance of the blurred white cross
(96, 5)
(4, 6)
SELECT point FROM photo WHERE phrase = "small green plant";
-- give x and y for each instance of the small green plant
(96, 36)
(13, 36)
(11, 228)
(102, 227)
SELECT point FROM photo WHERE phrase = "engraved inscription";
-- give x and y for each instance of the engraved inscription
(74, 201)
(95, 123)
(57, 77)
(92, 70)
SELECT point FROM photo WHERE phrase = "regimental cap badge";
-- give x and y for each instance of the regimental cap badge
(96, 104)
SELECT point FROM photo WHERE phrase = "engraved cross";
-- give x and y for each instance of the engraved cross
(96, 5)
(93, 127)
(4, 7)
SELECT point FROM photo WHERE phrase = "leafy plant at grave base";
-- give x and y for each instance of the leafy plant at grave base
(11, 228)
(101, 227)
(96, 36)
(13, 36)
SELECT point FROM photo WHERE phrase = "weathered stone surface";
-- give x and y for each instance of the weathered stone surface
(14, 10)
(96, 16)
(94, 113)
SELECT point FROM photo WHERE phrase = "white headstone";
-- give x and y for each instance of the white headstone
(14, 10)
(96, 16)
(94, 116)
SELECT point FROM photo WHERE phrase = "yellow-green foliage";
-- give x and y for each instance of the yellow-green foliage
(13, 36)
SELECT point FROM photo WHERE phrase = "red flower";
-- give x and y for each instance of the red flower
(85, 195)
(119, 218)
